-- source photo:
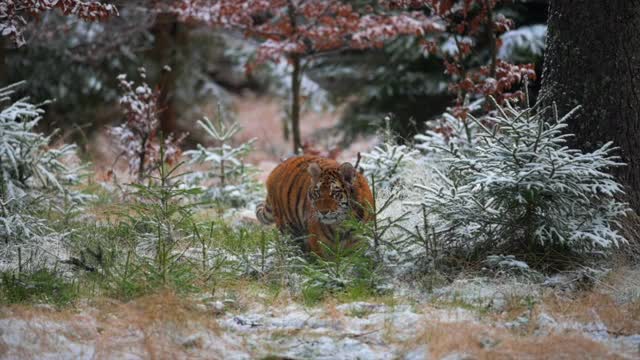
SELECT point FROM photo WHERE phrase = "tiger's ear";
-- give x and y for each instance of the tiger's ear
(348, 172)
(314, 170)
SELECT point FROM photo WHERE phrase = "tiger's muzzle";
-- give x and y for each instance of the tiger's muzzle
(331, 217)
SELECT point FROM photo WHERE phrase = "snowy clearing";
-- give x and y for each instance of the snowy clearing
(470, 319)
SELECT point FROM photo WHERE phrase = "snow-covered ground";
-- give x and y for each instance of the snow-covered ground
(473, 318)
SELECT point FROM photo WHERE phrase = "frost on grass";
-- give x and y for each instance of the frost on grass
(522, 183)
(34, 176)
(195, 329)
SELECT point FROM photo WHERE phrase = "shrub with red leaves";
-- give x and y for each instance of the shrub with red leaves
(293, 27)
(138, 137)
(299, 30)
(470, 22)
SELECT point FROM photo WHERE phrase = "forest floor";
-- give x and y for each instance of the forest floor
(472, 318)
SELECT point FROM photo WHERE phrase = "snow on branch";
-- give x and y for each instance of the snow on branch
(138, 136)
(302, 28)
(226, 179)
(521, 184)
(14, 14)
(34, 176)
(526, 38)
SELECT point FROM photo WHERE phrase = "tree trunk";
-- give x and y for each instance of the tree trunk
(493, 41)
(3, 62)
(164, 52)
(296, 74)
(593, 59)
(295, 104)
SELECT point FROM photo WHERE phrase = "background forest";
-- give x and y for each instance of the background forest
(499, 139)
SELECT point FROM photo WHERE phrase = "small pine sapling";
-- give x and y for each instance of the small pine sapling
(34, 177)
(446, 135)
(341, 269)
(399, 235)
(163, 219)
(388, 162)
(523, 189)
(230, 180)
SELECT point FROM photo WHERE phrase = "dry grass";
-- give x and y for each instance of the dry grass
(515, 306)
(160, 320)
(37, 334)
(330, 307)
(485, 342)
(620, 318)
(159, 327)
(151, 327)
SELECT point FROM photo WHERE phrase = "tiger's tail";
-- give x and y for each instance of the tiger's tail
(264, 213)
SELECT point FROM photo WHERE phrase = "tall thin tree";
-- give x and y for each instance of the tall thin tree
(298, 31)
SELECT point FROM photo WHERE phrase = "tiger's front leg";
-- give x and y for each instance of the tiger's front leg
(316, 237)
(321, 236)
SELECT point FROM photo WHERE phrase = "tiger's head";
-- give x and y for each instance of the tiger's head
(330, 192)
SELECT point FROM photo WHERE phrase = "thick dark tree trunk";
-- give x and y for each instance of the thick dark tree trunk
(593, 60)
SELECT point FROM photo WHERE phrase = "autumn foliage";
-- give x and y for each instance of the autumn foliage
(297, 31)
(293, 27)
(471, 23)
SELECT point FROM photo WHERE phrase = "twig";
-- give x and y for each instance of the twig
(358, 162)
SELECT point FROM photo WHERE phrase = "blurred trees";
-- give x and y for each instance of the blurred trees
(417, 79)
(15, 14)
(351, 48)
(75, 62)
(301, 31)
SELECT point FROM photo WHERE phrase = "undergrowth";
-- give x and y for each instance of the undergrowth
(155, 237)
(463, 204)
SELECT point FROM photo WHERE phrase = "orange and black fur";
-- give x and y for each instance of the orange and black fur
(309, 196)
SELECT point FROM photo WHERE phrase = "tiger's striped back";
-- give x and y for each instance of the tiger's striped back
(309, 203)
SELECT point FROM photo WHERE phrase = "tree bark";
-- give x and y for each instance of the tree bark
(296, 74)
(164, 52)
(295, 104)
(493, 41)
(3, 62)
(593, 60)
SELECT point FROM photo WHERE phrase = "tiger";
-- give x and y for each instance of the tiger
(309, 197)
